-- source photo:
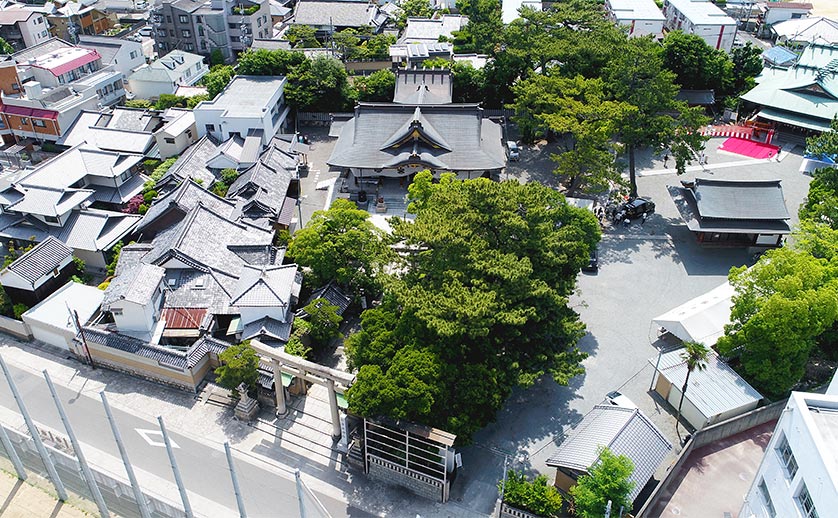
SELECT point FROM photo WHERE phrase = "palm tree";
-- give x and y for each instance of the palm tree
(695, 355)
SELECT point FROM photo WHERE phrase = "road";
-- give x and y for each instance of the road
(203, 467)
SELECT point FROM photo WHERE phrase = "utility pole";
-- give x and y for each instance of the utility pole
(10, 448)
(132, 478)
(85, 468)
(36, 438)
(187, 508)
(236, 490)
(300, 495)
(75, 316)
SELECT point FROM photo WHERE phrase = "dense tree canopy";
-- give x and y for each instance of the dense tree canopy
(479, 307)
(607, 480)
(484, 30)
(217, 79)
(786, 305)
(341, 244)
(697, 65)
(378, 86)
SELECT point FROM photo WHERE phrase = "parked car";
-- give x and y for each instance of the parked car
(512, 151)
(145, 31)
(593, 263)
(631, 209)
(617, 399)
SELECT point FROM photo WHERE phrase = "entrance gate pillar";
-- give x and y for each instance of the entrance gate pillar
(281, 408)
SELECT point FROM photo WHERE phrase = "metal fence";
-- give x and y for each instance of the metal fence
(55, 461)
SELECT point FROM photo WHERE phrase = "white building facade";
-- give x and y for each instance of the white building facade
(702, 18)
(641, 17)
(798, 476)
(248, 105)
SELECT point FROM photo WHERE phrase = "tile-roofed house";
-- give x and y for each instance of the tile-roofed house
(128, 130)
(386, 139)
(625, 431)
(164, 75)
(38, 272)
(429, 30)
(413, 54)
(715, 393)
(137, 285)
(176, 204)
(266, 286)
(262, 191)
(22, 26)
(50, 202)
(274, 331)
(328, 16)
(92, 232)
(237, 152)
(114, 173)
(191, 164)
(332, 294)
(743, 213)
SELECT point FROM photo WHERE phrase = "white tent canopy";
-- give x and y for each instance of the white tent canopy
(701, 319)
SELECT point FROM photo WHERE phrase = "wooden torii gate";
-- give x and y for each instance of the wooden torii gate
(336, 381)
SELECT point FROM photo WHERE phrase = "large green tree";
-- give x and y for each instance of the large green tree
(341, 244)
(378, 86)
(239, 364)
(484, 30)
(324, 321)
(697, 65)
(781, 306)
(821, 204)
(747, 64)
(637, 77)
(577, 110)
(483, 295)
(607, 480)
(217, 79)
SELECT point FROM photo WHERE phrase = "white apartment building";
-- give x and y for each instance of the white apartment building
(702, 18)
(641, 17)
(798, 476)
(248, 106)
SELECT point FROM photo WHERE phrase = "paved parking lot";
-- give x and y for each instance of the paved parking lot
(645, 270)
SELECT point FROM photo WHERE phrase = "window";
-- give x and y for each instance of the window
(232, 26)
(201, 31)
(56, 272)
(169, 140)
(125, 176)
(39, 19)
(766, 499)
(117, 312)
(39, 123)
(24, 121)
(189, 133)
(198, 67)
(787, 457)
(51, 219)
(259, 22)
(117, 85)
(210, 127)
(203, 45)
(189, 47)
(168, 19)
(161, 33)
(15, 87)
(134, 54)
(186, 33)
(235, 39)
(199, 19)
(183, 18)
(44, 34)
(162, 45)
(804, 500)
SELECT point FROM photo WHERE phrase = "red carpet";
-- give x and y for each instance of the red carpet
(749, 148)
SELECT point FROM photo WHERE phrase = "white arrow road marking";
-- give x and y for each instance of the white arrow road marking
(157, 434)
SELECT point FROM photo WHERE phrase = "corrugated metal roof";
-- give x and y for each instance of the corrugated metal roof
(625, 431)
(183, 318)
(714, 390)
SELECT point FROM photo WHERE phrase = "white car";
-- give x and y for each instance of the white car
(617, 399)
(145, 31)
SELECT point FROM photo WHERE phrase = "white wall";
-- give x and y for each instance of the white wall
(92, 259)
(35, 30)
(815, 456)
(124, 63)
(134, 317)
(182, 142)
(249, 315)
(150, 89)
(11, 279)
(50, 335)
(773, 16)
(688, 409)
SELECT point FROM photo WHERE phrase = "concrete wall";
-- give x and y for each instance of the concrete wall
(186, 379)
(507, 511)
(15, 328)
(393, 474)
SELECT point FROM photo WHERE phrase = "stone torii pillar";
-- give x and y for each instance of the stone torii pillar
(308, 371)
(281, 408)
